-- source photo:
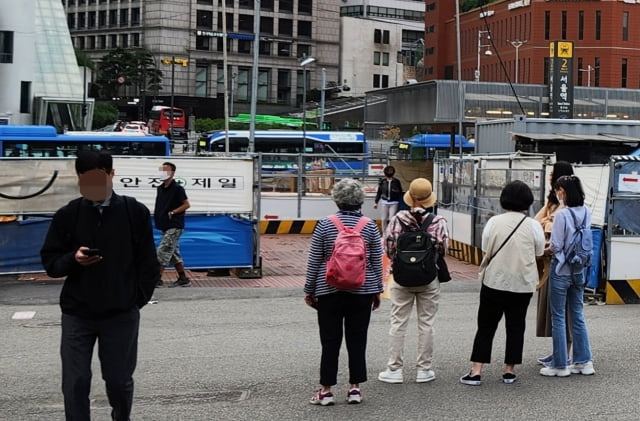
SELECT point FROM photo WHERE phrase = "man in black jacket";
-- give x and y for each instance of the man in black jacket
(103, 244)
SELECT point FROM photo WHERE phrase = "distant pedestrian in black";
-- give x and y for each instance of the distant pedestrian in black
(103, 244)
(388, 195)
(168, 214)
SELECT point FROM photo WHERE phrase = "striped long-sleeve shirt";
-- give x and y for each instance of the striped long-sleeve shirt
(322, 241)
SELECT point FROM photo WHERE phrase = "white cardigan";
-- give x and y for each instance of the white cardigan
(514, 267)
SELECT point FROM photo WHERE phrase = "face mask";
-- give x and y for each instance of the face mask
(164, 176)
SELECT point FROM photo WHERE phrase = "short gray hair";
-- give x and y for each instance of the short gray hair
(348, 192)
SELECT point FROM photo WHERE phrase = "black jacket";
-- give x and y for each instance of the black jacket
(167, 199)
(383, 190)
(127, 274)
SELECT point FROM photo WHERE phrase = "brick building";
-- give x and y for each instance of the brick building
(606, 42)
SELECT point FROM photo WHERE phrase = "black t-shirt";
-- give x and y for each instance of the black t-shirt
(167, 199)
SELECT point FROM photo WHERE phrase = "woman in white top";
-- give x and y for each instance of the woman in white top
(509, 276)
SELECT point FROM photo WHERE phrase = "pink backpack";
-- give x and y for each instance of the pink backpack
(346, 268)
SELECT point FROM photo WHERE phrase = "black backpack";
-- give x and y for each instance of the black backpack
(414, 263)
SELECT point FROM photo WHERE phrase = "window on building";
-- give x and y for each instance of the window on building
(245, 4)
(202, 80)
(581, 25)
(82, 20)
(351, 11)
(265, 48)
(285, 6)
(243, 84)
(385, 37)
(135, 16)
(229, 22)
(102, 18)
(124, 17)
(207, 2)
(581, 70)
(71, 20)
(377, 36)
(598, 24)
(376, 81)
(304, 29)
(376, 58)
(135, 39)
(113, 18)
(305, 7)
(245, 23)
(266, 5)
(623, 73)
(385, 59)
(204, 19)
(547, 24)
(244, 46)
(284, 49)
(304, 50)
(91, 43)
(284, 86)
(385, 81)
(263, 84)
(563, 24)
(285, 27)
(228, 3)
(80, 43)
(91, 21)
(202, 43)
(266, 25)
(625, 26)
(545, 71)
(219, 44)
(6, 46)
(124, 40)
(102, 42)
(25, 97)
(113, 41)
(596, 71)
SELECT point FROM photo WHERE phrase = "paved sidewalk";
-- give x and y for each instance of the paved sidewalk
(284, 260)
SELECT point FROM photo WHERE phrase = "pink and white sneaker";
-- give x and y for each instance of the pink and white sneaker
(354, 395)
(322, 398)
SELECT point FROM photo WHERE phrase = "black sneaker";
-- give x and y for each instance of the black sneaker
(471, 380)
(509, 378)
(180, 283)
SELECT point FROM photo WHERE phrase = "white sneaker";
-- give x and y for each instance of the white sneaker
(423, 376)
(552, 371)
(584, 368)
(391, 376)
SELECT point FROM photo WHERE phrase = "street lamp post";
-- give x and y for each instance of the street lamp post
(486, 53)
(588, 70)
(517, 44)
(304, 62)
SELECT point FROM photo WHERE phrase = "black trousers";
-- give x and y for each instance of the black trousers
(354, 312)
(117, 338)
(493, 304)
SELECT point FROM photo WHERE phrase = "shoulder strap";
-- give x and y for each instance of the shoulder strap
(337, 222)
(361, 223)
(507, 239)
(575, 219)
(427, 221)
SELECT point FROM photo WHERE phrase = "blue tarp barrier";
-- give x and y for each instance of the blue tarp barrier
(216, 241)
(593, 275)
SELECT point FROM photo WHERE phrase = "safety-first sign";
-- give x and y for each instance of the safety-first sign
(213, 185)
(629, 183)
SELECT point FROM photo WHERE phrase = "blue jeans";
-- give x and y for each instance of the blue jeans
(566, 295)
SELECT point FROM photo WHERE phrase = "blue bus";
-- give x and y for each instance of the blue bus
(44, 141)
(425, 146)
(344, 152)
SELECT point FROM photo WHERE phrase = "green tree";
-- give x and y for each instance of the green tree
(132, 68)
(104, 114)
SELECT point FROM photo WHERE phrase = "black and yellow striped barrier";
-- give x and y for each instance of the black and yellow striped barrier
(623, 292)
(465, 252)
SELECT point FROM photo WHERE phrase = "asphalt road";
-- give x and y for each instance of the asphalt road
(253, 354)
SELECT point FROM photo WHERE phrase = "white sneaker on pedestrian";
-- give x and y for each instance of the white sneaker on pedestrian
(391, 376)
(553, 371)
(423, 376)
(584, 368)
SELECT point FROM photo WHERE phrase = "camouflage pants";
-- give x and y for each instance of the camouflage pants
(169, 249)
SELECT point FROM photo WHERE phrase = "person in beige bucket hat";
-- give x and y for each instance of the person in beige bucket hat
(420, 194)
(420, 198)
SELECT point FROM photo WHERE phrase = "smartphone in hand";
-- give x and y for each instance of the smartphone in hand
(91, 252)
